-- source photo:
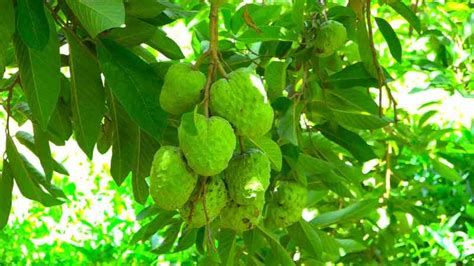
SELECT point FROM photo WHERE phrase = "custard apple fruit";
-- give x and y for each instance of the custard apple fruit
(287, 204)
(216, 199)
(330, 37)
(242, 100)
(171, 182)
(248, 177)
(209, 149)
(241, 217)
(181, 89)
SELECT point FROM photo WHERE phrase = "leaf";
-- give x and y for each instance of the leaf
(313, 166)
(24, 178)
(354, 211)
(278, 251)
(391, 38)
(298, 14)
(135, 85)
(144, 8)
(6, 188)
(188, 123)
(165, 45)
(186, 240)
(271, 149)
(407, 13)
(275, 76)
(135, 33)
(7, 28)
(98, 16)
(348, 140)
(170, 237)
(32, 24)
(288, 124)
(306, 237)
(227, 246)
(104, 141)
(351, 76)
(445, 171)
(124, 144)
(87, 94)
(147, 212)
(268, 33)
(163, 219)
(40, 76)
(43, 151)
(350, 245)
(147, 147)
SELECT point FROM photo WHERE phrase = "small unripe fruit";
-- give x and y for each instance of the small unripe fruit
(330, 37)
(287, 204)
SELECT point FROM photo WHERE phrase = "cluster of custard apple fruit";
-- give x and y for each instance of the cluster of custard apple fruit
(233, 192)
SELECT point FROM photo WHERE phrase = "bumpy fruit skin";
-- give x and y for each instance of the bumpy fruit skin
(239, 217)
(171, 182)
(287, 203)
(248, 177)
(331, 37)
(216, 199)
(209, 151)
(181, 89)
(242, 100)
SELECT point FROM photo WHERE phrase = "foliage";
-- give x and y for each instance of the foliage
(384, 184)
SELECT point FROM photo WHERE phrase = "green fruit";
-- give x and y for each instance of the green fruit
(330, 37)
(181, 89)
(242, 100)
(208, 149)
(240, 217)
(216, 198)
(248, 177)
(171, 183)
(287, 204)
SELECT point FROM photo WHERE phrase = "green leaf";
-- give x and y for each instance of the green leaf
(306, 237)
(144, 8)
(188, 123)
(350, 245)
(40, 76)
(135, 33)
(445, 171)
(351, 76)
(147, 147)
(7, 28)
(43, 151)
(135, 85)
(271, 149)
(124, 145)
(87, 94)
(227, 246)
(278, 251)
(165, 45)
(25, 179)
(32, 24)
(391, 38)
(163, 219)
(260, 14)
(6, 188)
(408, 14)
(170, 236)
(313, 166)
(268, 33)
(275, 76)
(352, 212)
(98, 16)
(298, 14)
(288, 124)
(186, 240)
(348, 140)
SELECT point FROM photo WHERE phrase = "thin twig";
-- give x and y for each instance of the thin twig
(241, 142)
(388, 170)
(200, 60)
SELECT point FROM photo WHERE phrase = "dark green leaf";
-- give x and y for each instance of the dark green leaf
(186, 240)
(170, 236)
(306, 237)
(355, 211)
(147, 212)
(97, 16)
(268, 33)
(135, 33)
(445, 171)
(32, 24)
(312, 166)
(147, 147)
(407, 13)
(165, 45)
(87, 94)
(275, 76)
(227, 246)
(288, 124)
(163, 219)
(351, 76)
(135, 85)
(144, 8)
(43, 151)
(348, 140)
(271, 149)
(24, 178)
(104, 142)
(278, 251)
(391, 38)
(6, 188)
(7, 28)
(40, 77)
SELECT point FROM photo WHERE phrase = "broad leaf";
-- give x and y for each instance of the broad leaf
(407, 13)
(40, 76)
(288, 124)
(275, 77)
(271, 149)
(135, 33)
(165, 45)
(97, 16)
(278, 251)
(7, 28)
(135, 85)
(146, 148)
(170, 237)
(144, 8)
(32, 24)
(445, 171)
(43, 151)
(351, 76)
(355, 211)
(87, 94)
(25, 179)
(391, 38)
(268, 33)
(306, 237)
(227, 246)
(163, 219)
(6, 188)
(312, 166)
(186, 240)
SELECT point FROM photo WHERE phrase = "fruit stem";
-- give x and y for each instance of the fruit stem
(200, 60)
(214, 38)
(241, 142)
